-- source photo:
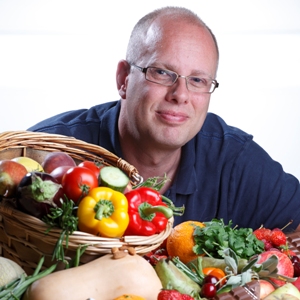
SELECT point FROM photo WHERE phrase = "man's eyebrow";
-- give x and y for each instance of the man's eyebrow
(194, 72)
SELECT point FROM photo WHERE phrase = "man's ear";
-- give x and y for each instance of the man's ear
(123, 70)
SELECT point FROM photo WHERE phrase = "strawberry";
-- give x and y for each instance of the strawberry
(169, 295)
(267, 244)
(187, 297)
(263, 233)
(278, 238)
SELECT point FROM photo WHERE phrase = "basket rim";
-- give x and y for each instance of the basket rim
(56, 142)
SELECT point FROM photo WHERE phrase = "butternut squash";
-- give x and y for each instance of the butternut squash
(104, 278)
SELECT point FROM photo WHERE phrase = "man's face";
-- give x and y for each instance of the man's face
(167, 117)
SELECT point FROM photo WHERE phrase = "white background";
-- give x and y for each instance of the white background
(61, 55)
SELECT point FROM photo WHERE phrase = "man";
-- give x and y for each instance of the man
(161, 126)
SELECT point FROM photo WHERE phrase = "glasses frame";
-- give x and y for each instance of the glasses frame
(144, 70)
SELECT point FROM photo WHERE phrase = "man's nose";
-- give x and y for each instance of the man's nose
(180, 89)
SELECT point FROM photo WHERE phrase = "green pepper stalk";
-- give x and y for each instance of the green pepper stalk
(148, 213)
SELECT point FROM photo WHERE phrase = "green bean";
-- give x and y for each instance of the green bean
(9, 285)
(39, 266)
(79, 251)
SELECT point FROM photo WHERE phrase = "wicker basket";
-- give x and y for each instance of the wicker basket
(23, 238)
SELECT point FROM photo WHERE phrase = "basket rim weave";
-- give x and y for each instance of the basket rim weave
(76, 148)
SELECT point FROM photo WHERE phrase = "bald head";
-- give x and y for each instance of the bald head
(151, 26)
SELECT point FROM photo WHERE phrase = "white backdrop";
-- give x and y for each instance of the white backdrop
(60, 55)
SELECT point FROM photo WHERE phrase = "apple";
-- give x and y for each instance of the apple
(57, 159)
(11, 173)
(285, 266)
(266, 288)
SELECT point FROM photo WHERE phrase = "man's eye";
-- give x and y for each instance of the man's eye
(197, 80)
(162, 72)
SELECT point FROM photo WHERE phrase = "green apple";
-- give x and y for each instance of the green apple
(286, 292)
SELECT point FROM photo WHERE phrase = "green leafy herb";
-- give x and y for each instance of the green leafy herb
(62, 217)
(193, 270)
(154, 182)
(216, 236)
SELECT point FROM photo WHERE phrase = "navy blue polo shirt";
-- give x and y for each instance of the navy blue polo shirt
(223, 173)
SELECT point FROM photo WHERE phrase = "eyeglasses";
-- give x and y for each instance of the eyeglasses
(168, 78)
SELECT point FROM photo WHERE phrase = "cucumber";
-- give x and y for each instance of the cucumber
(113, 178)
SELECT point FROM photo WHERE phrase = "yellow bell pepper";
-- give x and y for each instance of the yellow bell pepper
(103, 212)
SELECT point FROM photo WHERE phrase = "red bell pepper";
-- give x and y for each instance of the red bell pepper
(148, 214)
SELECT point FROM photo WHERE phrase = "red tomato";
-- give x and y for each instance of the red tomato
(77, 182)
(94, 166)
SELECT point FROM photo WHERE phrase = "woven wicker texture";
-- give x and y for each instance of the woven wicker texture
(23, 237)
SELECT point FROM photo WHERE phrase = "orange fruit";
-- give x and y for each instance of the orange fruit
(180, 242)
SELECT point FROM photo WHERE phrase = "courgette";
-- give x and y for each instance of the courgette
(113, 178)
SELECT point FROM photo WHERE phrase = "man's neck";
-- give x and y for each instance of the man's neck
(153, 163)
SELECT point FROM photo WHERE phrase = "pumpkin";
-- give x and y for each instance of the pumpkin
(104, 278)
(9, 271)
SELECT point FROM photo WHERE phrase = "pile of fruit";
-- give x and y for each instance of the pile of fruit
(217, 272)
(199, 260)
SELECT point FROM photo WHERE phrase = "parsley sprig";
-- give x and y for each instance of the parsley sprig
(216, 236)
(62, 217)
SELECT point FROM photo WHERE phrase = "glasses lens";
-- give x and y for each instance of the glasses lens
(198, 84)
(161, 76)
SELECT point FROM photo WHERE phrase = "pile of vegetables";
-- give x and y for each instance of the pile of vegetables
(90, 197)
(98, 194)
